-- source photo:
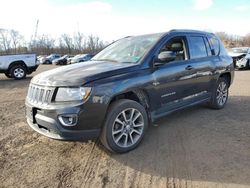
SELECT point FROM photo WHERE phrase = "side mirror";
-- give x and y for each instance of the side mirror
(166, 56)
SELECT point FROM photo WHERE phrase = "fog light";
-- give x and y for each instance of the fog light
(68, 119)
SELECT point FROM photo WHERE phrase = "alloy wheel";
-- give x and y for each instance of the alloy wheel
(19, 73)
(128, 127)
(222, 93)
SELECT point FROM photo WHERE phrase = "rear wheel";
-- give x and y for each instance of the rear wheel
(18, 72)
(220, 94)
(125, 126)
(48, 62)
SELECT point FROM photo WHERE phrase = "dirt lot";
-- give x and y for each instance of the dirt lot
(196, 147)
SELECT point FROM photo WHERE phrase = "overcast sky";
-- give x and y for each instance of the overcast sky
(112, 19)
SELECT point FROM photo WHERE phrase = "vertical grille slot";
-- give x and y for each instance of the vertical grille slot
(47, 95)
(40, 99)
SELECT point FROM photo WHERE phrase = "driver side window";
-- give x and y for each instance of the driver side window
(174, 50)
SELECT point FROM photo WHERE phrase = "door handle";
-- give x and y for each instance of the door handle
(189, 67)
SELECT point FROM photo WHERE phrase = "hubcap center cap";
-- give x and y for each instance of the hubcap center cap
(127, 127)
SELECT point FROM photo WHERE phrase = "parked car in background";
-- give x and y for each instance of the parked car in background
(62, 60)
(73, 58)
(81, 58)
(241, 56)
(70, 58)
(40, 58)
(129, 84)
(50, 58)
(244, 63)
(18, 66)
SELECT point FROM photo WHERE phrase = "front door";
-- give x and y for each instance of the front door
(174, 80)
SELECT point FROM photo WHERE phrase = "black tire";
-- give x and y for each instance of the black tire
(248, 65)
(18, 72)
(8, 75)
(138, 124)
(48, 62)
(220, 94)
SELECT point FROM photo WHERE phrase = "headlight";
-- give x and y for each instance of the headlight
(72, 94)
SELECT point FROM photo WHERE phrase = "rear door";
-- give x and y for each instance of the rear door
(203, 62)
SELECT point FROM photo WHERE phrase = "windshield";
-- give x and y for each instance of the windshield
(76, 56)
(128, 50)
(240, 50)
(83, 55)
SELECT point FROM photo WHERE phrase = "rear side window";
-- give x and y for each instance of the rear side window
(197, 47)
(215, 45)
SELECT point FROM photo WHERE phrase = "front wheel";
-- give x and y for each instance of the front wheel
(220, 94)
(125, 126)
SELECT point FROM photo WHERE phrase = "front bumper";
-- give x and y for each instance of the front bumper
(45, 122)
(241, 64)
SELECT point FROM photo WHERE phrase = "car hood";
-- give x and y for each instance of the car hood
(79, 74)
(233, 54)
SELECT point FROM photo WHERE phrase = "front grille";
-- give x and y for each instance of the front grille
(39, 94)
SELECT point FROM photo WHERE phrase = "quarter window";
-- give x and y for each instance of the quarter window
(215, 44)
(197, 47)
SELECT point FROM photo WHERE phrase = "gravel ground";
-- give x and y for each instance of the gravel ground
(196, 147)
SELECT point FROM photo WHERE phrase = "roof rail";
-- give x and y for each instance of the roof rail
(189, 30)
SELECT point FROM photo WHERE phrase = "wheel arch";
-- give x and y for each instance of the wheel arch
(227, 76)
(138, 95)
(19, 62)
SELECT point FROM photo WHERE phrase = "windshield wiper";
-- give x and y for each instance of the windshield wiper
(128, 62)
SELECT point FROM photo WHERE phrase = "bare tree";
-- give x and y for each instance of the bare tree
(11, 41)
(43, 45)
(230, 40)
(94, 44)
(16, 39)
(223, 36)
(5, 40)
(67, 41)
(246, 40)
(47, 42)
(79, 41)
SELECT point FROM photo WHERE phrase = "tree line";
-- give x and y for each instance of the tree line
(231, 41)
(12, 42)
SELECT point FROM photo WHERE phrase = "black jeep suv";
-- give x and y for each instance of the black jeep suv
(127, 86)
